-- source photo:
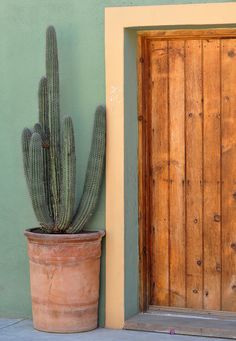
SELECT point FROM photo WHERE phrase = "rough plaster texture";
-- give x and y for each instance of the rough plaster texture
(80, 28)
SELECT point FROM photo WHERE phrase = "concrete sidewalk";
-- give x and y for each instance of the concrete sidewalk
(22, 330)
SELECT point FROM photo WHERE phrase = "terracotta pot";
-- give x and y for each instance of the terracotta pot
(64, 280)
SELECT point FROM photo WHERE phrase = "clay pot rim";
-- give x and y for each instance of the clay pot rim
(70, 237)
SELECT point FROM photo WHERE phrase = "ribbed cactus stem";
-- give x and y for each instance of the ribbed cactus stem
(38, 129)
(46, 170)
(44, 122)
(68, 175)
(94, 173)
(52, 74)
(25, 140)
(37, 183)
(43, 105)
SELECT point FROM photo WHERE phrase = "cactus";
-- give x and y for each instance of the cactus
(52, 75)
(68, 175)
(49, 158)
(25, 139)
(93, 175)
(37, 182)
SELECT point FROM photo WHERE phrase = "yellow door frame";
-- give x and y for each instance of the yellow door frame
(116, 20)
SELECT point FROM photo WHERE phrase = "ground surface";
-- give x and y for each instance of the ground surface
(22, 330)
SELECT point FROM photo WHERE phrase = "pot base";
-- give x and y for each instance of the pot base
(64, 318)
(64, 279)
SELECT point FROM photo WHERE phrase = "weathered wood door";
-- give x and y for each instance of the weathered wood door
(188, 134)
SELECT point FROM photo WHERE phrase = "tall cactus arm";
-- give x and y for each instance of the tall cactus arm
(25, 140)
(46, 170)
(37, 183)
(94, 173)
(52, 74)
(43, 105)
(45, 134)
(38, 129)
(67, 201)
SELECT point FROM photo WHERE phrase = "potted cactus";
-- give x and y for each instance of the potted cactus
(64, 259)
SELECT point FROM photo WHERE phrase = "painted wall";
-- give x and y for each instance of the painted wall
(80, 29)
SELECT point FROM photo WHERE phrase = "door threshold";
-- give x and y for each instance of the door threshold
(185, 322)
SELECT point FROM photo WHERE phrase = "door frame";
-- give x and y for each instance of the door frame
(143, 142)
(117, 20)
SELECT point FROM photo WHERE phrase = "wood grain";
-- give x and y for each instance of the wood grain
(177, 173)
(194, 198)
(189, 34)
(212, 175)
(187, 169)
(160, 174)
(143, 186)
(228, 79)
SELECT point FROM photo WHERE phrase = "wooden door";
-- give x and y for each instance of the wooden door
(187, 171)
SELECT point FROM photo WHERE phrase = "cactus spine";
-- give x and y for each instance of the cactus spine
(50, 168)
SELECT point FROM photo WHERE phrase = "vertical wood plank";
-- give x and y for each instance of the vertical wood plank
(177, 173)
(228, 174)
(194, 197)
(212, 174)
(160, 174)
(143, 185)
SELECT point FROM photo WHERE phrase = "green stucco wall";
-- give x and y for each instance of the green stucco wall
(80, 29)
